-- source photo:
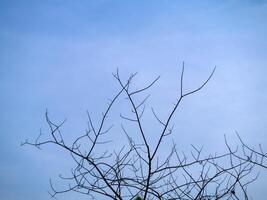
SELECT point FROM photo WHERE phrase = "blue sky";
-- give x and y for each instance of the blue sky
(60, 55)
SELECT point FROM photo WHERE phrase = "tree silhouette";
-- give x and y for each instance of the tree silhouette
(138, 171)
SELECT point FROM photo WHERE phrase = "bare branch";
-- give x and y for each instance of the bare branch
(137, 169)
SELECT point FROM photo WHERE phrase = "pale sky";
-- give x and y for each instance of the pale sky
(60, 55)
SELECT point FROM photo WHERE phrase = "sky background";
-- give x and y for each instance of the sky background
(60, 55)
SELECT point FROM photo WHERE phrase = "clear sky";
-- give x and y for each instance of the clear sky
(60, 55)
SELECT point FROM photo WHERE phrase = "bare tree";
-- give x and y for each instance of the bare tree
(138, 171)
